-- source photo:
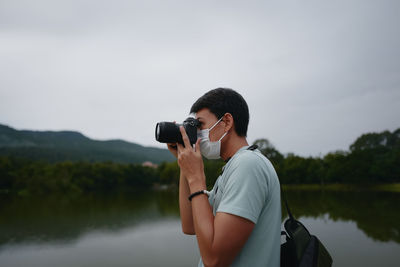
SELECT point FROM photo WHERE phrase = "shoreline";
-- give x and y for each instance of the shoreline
(393, 187)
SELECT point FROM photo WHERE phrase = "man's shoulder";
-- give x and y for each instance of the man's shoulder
(251, 158)
(250, 162)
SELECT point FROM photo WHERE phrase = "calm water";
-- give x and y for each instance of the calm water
(358, 228)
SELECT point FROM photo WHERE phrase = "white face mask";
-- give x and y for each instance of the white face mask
(210, 150)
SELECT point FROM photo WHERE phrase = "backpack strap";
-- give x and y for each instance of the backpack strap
(252, 147)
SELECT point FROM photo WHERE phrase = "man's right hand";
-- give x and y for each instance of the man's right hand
(173, 148)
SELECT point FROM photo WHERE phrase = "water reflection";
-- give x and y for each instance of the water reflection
(151, 244)
(142, 229)
(375, 213)
(65, 218)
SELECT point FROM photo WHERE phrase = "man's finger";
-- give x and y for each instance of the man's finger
(185, 138)
(197, 146)
(171, 145)
(179, 147)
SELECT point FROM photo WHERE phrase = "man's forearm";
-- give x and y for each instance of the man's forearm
(185, 206)
(203, 221)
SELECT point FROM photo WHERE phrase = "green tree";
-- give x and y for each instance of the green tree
(169, 173)
(268, 150)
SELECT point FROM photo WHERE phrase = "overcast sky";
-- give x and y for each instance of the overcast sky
(316, 74)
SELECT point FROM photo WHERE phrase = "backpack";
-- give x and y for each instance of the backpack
(301, 249)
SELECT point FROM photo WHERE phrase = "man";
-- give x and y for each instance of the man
(238, 224)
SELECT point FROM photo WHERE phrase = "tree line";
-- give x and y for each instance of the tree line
(372, 158)
(24, 176)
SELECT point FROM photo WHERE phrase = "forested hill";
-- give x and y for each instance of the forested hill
(54, 146)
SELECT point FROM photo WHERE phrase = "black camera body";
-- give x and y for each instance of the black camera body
(168, 132)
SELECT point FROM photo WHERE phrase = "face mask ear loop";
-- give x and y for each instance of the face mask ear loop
(223, 136)
(215, 124)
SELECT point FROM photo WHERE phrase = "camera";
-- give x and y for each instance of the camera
(168, 132)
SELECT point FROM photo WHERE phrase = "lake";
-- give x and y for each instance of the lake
(143, 229)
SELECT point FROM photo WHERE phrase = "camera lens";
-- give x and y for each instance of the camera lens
(168, 132)
(157, 131)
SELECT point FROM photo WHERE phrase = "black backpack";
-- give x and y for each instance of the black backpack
(302, 249)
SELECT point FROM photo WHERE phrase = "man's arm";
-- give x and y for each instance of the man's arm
(220, 238)
(185, 207)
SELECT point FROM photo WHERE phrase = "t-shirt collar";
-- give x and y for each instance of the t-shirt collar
(240, 149)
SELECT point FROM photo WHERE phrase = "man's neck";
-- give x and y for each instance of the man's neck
(232, 146)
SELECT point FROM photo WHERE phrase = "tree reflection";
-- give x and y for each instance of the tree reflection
(65, 218)
(61, 219)
(375, 213)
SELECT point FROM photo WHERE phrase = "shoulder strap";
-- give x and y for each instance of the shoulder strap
(254, 147)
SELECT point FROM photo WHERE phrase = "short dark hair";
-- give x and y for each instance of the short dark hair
(224, 100)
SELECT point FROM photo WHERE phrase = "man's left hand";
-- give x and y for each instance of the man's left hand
(191, 162)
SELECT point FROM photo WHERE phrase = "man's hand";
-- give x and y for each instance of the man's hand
(173, 149)
(191, 162)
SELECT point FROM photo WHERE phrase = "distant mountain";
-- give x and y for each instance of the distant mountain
(55, 146)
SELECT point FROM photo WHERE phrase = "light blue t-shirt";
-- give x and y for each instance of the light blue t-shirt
(249, 188)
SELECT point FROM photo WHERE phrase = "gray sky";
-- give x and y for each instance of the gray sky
(316, 74)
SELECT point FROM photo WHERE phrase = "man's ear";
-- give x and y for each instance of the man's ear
(229, 123)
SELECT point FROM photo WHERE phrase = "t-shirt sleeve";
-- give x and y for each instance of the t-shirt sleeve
(246, 189)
